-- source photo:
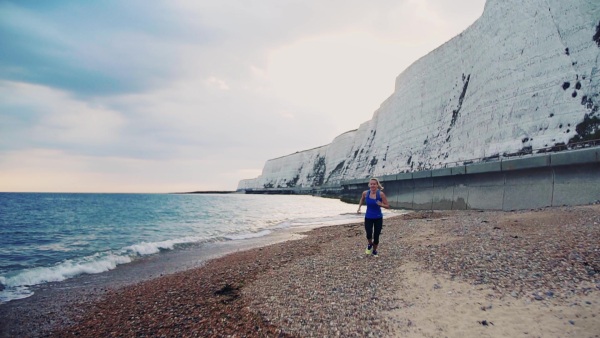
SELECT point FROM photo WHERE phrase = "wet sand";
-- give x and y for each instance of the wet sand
(449, 273)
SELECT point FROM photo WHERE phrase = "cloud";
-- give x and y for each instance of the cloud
(54, 117)
(327, 73)
(217, 83)
(138, 96)
(101, 48)
(62, 171)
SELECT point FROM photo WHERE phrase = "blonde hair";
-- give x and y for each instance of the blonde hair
(379, 186)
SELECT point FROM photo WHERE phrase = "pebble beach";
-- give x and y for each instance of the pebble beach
(533, 273)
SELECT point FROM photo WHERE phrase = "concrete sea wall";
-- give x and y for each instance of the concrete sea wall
(556, 179)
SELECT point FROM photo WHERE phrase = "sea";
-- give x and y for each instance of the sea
(53, 237)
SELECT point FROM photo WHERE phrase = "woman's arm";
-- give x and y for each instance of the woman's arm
(384, 201)
(362, 199)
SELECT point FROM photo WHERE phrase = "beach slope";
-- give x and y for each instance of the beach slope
(448, 273)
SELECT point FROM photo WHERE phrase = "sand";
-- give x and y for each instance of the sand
(529, 273)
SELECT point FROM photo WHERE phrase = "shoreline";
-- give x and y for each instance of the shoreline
(468, 273)
(57, 304)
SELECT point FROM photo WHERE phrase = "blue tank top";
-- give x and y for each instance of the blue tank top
(373, 210)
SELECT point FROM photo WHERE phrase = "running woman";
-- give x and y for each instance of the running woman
(375, 199)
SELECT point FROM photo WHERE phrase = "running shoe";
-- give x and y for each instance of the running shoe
(375, 254)
(369, 249)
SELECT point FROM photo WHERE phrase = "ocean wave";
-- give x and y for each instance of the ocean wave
(70, 268)
(16, 285)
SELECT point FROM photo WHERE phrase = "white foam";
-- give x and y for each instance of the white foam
(88, 265)
(19, 292)
(144, 248)
(17, 285)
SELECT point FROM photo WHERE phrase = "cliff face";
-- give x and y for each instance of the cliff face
(526, 75)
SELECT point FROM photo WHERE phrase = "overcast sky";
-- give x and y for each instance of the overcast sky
(186, 95)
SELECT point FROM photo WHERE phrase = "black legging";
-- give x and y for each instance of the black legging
(371, 223)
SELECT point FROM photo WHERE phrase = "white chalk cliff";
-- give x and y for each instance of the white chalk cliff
(524, 76)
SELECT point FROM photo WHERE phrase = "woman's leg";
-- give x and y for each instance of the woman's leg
(378, 224)
(369, 230)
